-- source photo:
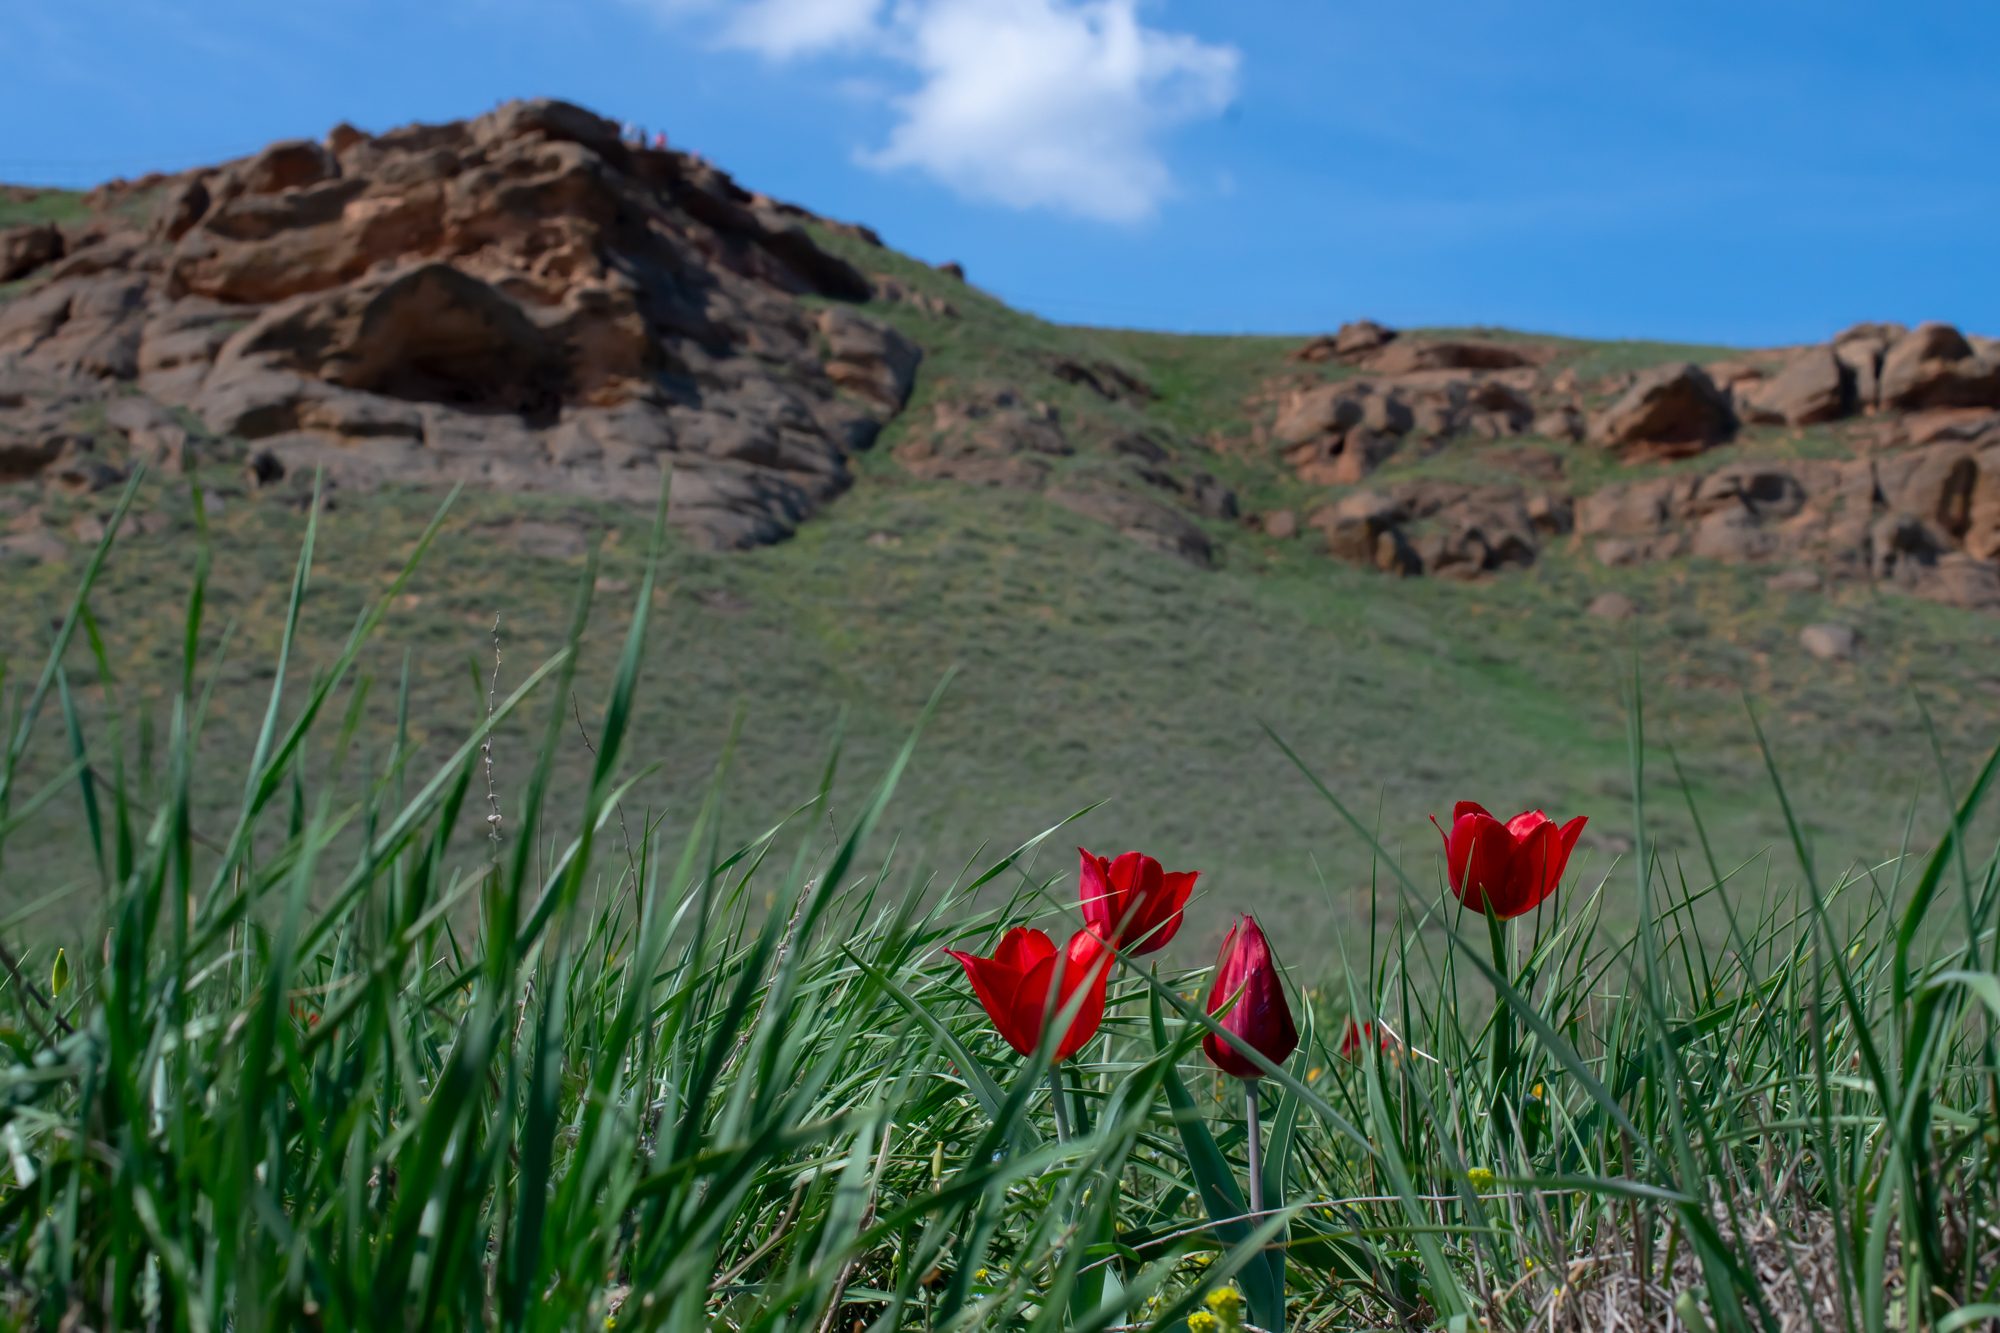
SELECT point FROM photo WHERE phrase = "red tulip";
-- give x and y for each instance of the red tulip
(1513, 866)
(1358, 1035)
(1260, 1017)
(1014, 986)
(1131, 901)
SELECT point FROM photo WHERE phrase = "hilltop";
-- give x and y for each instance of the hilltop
(1425, 556)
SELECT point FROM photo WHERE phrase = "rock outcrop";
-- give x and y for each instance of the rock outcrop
(1442, 529)
(1671, 411)
(1926, 519)
(520, 300)
(1815, 386)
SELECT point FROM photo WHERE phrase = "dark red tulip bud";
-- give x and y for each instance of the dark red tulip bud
(1513, 866)
(1014, 986)
(1131, 902)
(1260, 1016)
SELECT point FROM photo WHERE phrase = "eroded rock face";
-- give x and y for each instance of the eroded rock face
(1816, 386)
(1926, 520)
(1933, 366)
(1671, 411)
(519, 300)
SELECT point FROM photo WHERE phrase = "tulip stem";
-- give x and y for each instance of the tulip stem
(1256, 1137)
(1056, 1100)
(1503, 1025)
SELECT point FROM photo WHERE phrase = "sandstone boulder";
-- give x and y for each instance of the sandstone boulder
(1327, 409)
(1934, 366)
(1559, 423)
(25, 249)
(1815, 386)
(1861, 348)
(1623, 508)
(1827, 642)
(1672, 411)
(1355, 525)
(1612, 606)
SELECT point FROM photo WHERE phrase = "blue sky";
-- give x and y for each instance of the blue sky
(1750, 174)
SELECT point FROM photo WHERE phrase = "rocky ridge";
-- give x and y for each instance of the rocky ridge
(521, 300)
(1916, 506)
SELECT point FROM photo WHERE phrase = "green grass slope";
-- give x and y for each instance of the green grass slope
(1088, 670)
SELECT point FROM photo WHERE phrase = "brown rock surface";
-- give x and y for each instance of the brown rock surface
(1934, 366)
(25, 249)
(1671, 411)
(519, 300)
(1815, 386)
(1861, 348)
(1406, 355)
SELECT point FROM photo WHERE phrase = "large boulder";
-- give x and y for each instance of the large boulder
(1934, 366)
(1861, 348)
(1671, 411)
(25, 249)
(1325, 410)
(1815, 386)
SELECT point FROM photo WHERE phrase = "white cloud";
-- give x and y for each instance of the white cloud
(782, 29)
(1030, 103)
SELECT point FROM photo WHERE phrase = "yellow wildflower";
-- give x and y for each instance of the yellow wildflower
(1480, 1179)
(1227, 1305)
(1201, 1321)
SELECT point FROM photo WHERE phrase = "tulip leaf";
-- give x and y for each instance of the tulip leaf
(981, 1082)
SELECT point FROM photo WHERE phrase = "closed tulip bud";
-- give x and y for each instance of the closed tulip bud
(1260, 1016)
(1511, 867)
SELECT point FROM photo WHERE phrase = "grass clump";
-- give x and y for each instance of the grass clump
(373, 1059)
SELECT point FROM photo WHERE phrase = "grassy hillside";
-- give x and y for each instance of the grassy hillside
(1088, 669)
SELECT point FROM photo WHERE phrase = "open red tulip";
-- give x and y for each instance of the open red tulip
(1512, 866)
(1014, 986)
(1131, 902)
(1260, 1016)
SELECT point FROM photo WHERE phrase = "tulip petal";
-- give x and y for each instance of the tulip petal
(1093, 887)
(1527, 822)
(1022, 947)
(1086, 964)
(995, 984)
(1533, 872)
(1464, 808)
(1480, 849)
(1570, 833)
(1162, 920)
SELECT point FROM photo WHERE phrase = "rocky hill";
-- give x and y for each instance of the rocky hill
(520, 301)
(527, 302)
